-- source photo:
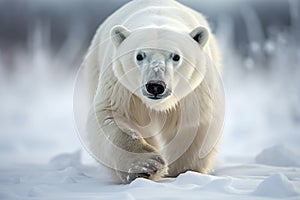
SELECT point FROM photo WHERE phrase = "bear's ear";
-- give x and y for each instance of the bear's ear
(118, 34)
(200, 35)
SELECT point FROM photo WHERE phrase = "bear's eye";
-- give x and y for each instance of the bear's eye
(139, 57)
(176, 57)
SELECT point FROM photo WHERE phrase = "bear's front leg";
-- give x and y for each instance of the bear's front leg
(127, 153)
(136, 157)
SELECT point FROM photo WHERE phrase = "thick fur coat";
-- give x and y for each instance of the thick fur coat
(136, 136)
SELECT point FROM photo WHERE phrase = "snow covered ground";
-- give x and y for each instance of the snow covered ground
(41, 156)
(65, 177)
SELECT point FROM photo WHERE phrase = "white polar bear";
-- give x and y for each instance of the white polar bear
(155, 96)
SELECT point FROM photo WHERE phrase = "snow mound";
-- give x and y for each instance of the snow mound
(205, 182)
(222, 185)
(191, 177)
(35, 192)
(66, 160)
(278, 156)
(142, 182)
(277, 186)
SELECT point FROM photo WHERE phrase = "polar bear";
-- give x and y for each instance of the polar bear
(154, 89)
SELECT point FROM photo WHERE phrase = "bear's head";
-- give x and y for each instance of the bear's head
(159, 65)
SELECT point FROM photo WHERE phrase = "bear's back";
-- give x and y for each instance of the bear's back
(154, 13)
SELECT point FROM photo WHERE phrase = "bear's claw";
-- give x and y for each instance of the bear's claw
(151, 168)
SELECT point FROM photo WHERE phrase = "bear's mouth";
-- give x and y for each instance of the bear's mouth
(156, 96)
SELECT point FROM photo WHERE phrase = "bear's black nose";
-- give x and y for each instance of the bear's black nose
(155, 87)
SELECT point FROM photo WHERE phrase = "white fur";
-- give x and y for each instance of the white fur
(127, 131)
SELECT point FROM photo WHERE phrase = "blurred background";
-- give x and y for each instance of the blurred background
(42, 44)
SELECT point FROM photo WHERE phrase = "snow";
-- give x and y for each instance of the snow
(65, 177)
(277, 185)
(278, 156)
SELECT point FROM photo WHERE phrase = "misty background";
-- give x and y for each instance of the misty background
(42, 44)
